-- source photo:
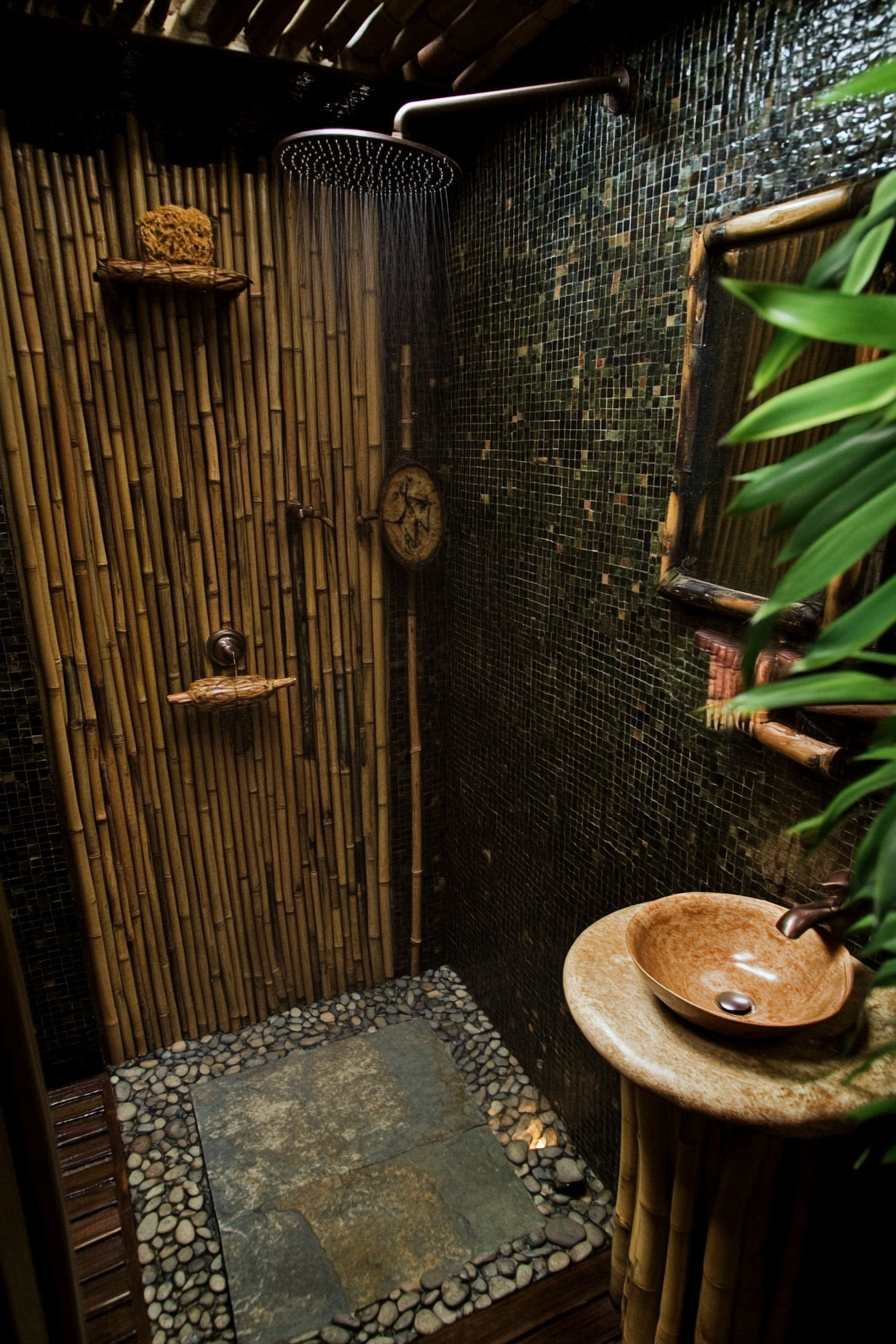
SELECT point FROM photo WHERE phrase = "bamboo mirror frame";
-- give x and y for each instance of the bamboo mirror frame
(708, 558)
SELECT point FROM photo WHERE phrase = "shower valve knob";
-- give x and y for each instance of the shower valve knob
(226, 648)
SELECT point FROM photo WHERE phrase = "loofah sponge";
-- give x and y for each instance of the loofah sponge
(176, 235)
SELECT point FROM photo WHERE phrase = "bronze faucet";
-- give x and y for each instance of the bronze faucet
(794, 923)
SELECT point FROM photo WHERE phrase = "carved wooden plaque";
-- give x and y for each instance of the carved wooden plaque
(411, 513)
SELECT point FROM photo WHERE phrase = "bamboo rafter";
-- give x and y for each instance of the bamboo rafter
(444, 42)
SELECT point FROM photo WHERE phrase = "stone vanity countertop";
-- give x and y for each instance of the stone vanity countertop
(792, 1086)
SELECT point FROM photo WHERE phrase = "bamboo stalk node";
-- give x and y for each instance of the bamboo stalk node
(170, 275)
(215, 694)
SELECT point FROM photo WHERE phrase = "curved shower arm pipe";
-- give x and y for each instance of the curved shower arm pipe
(618, 84)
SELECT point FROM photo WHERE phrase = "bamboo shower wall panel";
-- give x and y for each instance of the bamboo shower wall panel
(227, 865)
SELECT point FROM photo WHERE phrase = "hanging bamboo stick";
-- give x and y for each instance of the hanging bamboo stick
(407, 443)
(306, 425)
(366, 540)
(375, 434)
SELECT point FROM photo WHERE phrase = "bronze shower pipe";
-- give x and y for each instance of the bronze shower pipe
(618, 84)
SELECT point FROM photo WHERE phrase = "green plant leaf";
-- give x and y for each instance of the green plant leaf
(884, 734)
(852, 391)
(839, 547)
(886, 976)
(872, 1109)
(874, 445)
(880, 1053)
(817, 469)
(882, 753)
(884, 939)
(859, 897)
(876, 79)
(852, 494)
(827, 688)
(883, 893)
(832, 266)
(849, 634)
(822, 314)
(849, 262)
(786, 347)
(866, 257)
(846, 800)
(865, 857)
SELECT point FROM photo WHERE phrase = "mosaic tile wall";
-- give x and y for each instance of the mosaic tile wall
(579, 780)
(32, 860)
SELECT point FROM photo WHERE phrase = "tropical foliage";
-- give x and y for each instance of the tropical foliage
(836, 502)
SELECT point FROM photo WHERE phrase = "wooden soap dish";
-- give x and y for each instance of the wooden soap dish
(171, 275)
(214, 694)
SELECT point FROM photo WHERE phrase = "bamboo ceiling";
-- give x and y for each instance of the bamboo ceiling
(456, 43)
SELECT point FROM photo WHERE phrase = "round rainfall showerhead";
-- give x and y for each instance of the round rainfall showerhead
(367, 161)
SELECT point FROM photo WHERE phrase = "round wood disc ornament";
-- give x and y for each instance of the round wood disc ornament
(411, 513)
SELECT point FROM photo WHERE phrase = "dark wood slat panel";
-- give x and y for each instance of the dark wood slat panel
(515, 1318)
(100, 1258)
(106, 1291)
(70, 1110)
(128, 1230)
(82, 1127)
(88, 1087)
(81, 1178)
(115, 1326)
(85, 1153)
(95, 1226)
(596, 1323)
(98, 1207)
(91, 1200)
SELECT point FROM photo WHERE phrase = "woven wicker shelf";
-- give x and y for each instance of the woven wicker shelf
(167, 275)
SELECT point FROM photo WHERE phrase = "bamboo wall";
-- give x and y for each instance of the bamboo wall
(231, 865)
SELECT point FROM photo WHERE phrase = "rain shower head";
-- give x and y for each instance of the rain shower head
(367, 161)
(392, 165)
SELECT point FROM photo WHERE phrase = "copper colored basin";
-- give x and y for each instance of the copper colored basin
(695, 946)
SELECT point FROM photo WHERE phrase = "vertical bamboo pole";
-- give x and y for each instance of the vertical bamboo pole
(90, 569)
(17, 490)
(373, 344)
(306, 739)
(149, 764)
(407, 443)
(367, 539)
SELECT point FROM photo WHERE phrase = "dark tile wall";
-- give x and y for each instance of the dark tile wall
(32, 859)
(579, 778)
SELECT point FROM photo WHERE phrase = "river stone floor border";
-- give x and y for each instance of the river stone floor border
(179, 1243)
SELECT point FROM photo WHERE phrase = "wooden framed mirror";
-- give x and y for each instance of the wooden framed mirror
(710, 559)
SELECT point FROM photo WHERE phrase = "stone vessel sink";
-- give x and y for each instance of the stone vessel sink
(697, 947)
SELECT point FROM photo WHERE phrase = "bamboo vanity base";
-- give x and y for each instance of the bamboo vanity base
(724, 1145)
(707, 1217)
